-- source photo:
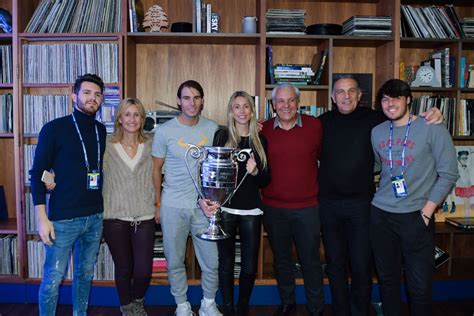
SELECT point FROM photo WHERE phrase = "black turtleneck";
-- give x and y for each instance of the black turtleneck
(347, 159)
(60, 149)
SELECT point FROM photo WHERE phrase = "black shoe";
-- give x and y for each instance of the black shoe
(242, 310)
(284, 310)
(227, 309)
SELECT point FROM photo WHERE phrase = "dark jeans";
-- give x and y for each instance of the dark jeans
(248, 228)
(403, 237)
(345, 226)
(132, 251)
(301, 226)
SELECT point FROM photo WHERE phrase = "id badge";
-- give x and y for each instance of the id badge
(93, 178)
(399, 186)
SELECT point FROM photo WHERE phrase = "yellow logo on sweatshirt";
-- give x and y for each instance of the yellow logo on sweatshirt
(202, 142)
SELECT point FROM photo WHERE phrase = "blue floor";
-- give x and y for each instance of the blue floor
(262, 294)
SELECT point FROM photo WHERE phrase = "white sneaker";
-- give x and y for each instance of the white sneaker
(184, 310)
(209, 309)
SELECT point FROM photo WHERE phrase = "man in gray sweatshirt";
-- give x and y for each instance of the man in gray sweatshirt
(418, 170)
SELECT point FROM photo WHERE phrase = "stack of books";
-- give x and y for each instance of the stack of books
(293, 73)
(367, 25)
(312, 110)
(6, 113)
(444, 104)
(466, 117)
(6, 64)
(76, 16)
(467, 25)
(8, 254)
(106, 114)
(40, 109)
(285, 21)
(205, 20)
(238, 258)
(466, 74)
(159, 260)
(430, 22)
(64, 62)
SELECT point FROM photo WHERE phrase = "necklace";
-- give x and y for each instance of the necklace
(130, 146)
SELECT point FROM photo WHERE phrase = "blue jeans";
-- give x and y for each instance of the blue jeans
(84, 234)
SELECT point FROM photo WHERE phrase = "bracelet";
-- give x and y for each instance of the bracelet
(426, 216)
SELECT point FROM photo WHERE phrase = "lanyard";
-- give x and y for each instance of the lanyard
(390, 142)
(84, 147)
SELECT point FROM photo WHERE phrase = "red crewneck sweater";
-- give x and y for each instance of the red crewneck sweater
(293, 159)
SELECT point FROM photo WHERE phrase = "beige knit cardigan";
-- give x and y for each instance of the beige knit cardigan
(128, 193)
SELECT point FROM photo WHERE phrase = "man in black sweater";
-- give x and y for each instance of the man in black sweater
(72, 147)
(346, 188)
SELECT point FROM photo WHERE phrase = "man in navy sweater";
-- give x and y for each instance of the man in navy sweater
(72, 147)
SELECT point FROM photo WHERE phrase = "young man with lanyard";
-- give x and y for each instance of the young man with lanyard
(72, 147)
(418, 169)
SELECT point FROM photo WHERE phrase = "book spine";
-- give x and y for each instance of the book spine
(198, 16)
(208, 17)
(215, 22)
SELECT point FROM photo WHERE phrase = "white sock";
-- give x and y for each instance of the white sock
(208, 301)
(183, 305)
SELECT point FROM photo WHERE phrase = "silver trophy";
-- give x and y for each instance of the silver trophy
(217, 180)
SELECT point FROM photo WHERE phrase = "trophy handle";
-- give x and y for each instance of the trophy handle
(241, 156)
(196, 153)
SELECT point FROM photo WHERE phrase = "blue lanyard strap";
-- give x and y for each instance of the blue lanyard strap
(84, 147)
(390, 143)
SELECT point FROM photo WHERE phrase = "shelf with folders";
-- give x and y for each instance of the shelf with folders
(8, 207)
(446, 102)
(70, 17)
(103, 270)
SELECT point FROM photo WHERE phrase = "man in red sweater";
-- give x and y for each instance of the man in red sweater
(291, 203)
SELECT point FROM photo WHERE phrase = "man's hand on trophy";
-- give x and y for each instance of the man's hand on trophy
(208, 207)
(252, 165)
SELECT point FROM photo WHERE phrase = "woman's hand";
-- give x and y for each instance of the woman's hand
(252, 165)
(157, 213)
(208, 207)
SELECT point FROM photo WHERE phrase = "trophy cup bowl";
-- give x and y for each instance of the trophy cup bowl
(216, 176)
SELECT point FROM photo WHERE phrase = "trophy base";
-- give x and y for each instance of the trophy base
(213, 234)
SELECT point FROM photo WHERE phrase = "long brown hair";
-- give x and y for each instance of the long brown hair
(118, 129)
(234, 138)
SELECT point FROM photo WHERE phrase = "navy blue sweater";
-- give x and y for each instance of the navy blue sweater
(59, 148)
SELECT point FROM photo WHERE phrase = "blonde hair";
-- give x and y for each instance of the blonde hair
(118, 129)
(234, 138)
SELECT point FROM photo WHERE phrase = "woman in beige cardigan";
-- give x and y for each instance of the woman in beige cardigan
(129, 196)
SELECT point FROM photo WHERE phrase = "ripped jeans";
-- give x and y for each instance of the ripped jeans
(83, 234)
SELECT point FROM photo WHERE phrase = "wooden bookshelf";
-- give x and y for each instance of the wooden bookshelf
(152, 65)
